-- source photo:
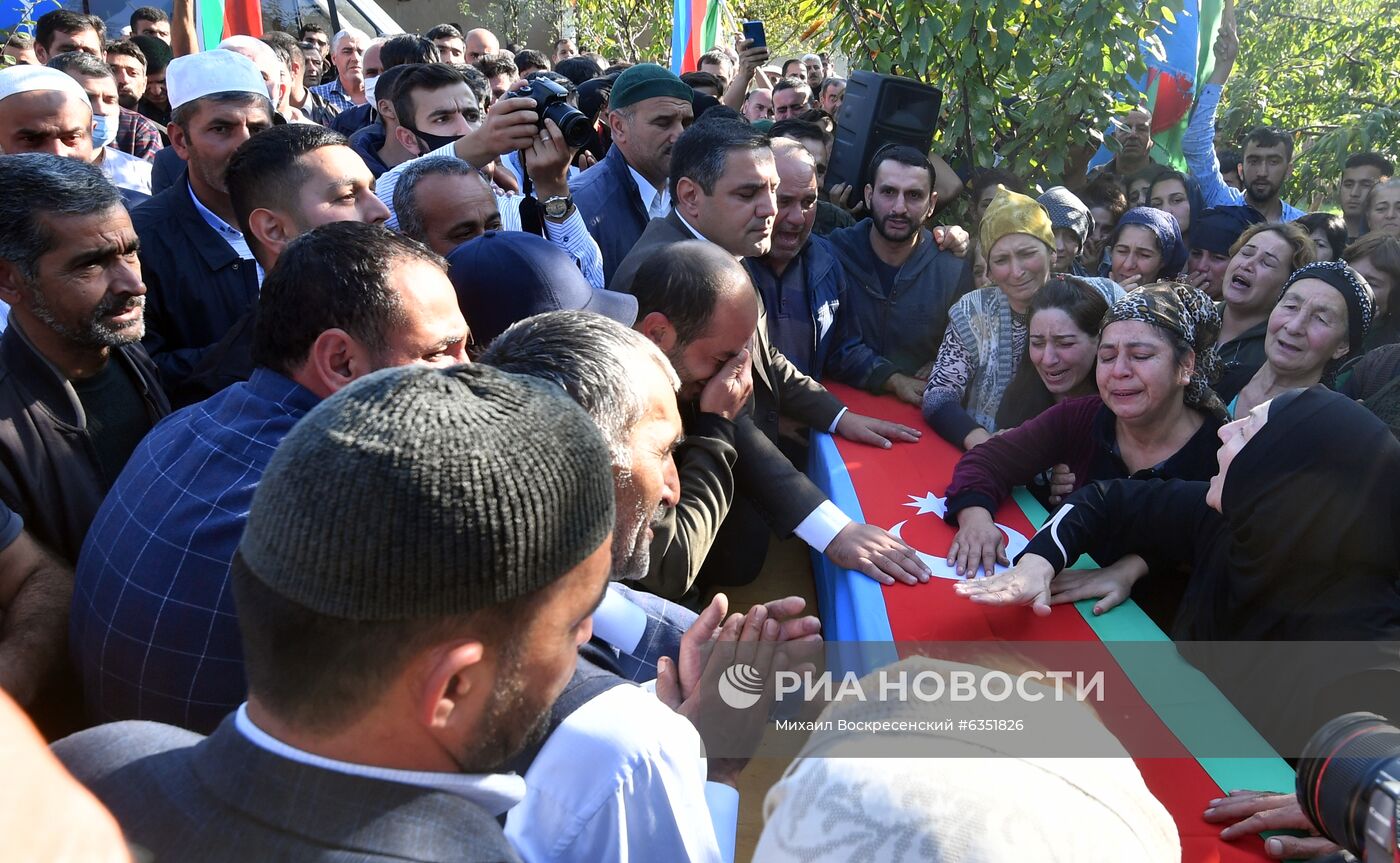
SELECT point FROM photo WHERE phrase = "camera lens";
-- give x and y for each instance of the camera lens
(572, 122)
(1339, 768)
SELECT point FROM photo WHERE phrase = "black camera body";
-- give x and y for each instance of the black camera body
(552, 103)
(1349, 784)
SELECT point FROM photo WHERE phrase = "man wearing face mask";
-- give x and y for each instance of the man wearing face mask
(128, 173)
(438, 115)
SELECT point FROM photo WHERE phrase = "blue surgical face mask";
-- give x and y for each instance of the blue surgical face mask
(104, 129)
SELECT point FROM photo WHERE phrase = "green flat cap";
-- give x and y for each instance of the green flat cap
(647, 81)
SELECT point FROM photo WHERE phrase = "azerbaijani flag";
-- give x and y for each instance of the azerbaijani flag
(215, 20)
(1186, 58)
(694, 30)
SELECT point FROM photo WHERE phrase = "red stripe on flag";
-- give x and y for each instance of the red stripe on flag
(890, 484)
(691, 62)
(243, 18)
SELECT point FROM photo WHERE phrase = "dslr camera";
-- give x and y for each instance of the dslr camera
(1349, 785)
(552, 103)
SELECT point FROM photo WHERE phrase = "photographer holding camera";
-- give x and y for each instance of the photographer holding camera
(440, 116)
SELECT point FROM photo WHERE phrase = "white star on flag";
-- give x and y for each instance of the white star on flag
(928, 503)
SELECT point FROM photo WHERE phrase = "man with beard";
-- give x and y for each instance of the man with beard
(75, 383)
(802, 282)
(902, 284)
(1132, 132)
(628, 387)
(201, 273)
(345, 300)
(1268, 152)
(648, 109)
(135, 134)
(401, 646)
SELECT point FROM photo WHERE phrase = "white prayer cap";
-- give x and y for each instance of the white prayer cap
(26, 79)
(195, 76)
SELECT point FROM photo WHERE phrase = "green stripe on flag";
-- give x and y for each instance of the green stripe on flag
(210, 15)
(709, 31)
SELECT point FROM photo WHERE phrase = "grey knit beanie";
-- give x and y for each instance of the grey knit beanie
(423, 492)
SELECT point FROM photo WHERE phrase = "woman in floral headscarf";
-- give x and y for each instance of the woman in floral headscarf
(1155, 416)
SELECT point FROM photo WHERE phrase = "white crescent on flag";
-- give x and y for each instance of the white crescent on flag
(938, 565)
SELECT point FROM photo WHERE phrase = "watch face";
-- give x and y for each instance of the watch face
(556, 207)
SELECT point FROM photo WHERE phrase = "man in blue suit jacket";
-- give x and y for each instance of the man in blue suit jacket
(648, 109)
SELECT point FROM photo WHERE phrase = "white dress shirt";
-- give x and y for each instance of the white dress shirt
(657, 202)
(494, 792)
(820, 527)
(571, 235)
(126, 171)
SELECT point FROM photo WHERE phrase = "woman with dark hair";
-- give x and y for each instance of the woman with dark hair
(1174, 192)
(1261, 261)
(1295, 538)
(1328, 233)
(1146, 247)
(1155, 416)
(1321, 318)
(1063, 326)
(1376, 258)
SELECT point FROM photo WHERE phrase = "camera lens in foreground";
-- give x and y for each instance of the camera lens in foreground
(1342, 765)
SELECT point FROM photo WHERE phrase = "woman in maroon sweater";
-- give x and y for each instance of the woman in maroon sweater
(1155, 416)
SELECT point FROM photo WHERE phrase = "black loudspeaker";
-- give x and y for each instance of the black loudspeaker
(879, 110)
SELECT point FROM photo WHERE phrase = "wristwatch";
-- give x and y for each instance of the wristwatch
(558, 206)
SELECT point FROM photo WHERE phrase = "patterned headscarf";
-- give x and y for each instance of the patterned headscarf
(1360, 299)
(1067, 211)
(1188, 313)
(1168, 232)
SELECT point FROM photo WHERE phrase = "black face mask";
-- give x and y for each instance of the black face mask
(433, 142)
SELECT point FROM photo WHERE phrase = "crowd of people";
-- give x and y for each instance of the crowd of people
(384, 419)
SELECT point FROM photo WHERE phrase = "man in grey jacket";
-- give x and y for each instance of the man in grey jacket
(401, 644)
(902, 284)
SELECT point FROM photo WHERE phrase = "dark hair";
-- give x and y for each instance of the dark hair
(1270, 136)
(703, 79)
(182, 115)
(1106, 191)
(476, 82)
(387, 85)
(990, 178)
(1332, 227)
(147, 13)
(322, 673)
(615, 69)
(422, 76)
(64, 21)
(702, 151)
(800, 130)
(405, 48)
(556, 78)
(904, 155)
(81, 62)
(1026, 396)
(789, 83)
(1370, 159)
(282, 45)
(714, 55)
(560, 41)
(684, 281)
(38, 184)
(828, 82)
(532, 59)
(266, 170)
(498, 63)
(444, 31)
(787, 63)
(334, 276)
(310, 27)
(579, 69)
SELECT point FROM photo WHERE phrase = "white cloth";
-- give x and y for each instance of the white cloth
(840, 801)
(195, 76)
(571, 235)
(126, 171)
(619, 621)
(494, 792)
(26, 79)
(229, 233)
(621, 779)
(657, 202)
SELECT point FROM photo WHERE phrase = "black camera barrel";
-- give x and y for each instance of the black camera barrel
(1340, 767)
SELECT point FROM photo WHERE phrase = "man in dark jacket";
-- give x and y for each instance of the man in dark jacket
(902, 284)
(648, 109)
(201, 274)
(78, 390)
(803, 284)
